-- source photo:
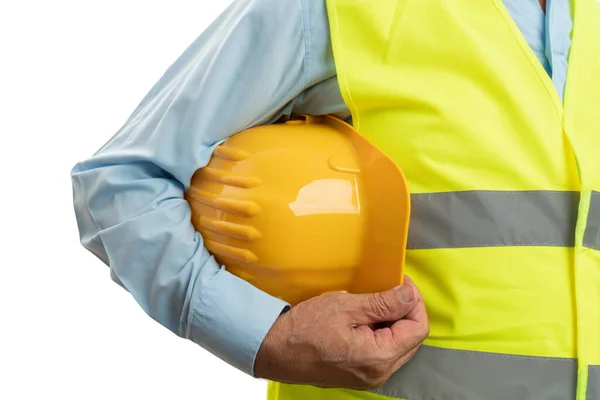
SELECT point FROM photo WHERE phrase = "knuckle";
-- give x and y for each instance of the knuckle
(329, 296)
(425, 331)
(378, 384)
(374, 374)
(369, 383)
(380, 304)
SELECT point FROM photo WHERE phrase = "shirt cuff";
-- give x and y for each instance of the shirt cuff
(232, 318)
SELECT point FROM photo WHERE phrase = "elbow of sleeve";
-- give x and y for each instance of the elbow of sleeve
(86, 225)
(136, 221)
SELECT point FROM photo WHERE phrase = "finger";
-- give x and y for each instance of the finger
(390, 305)
(410, 331)
(419, 312)
(401, 362)
(388, 324)
(405, 334)
(385, 357)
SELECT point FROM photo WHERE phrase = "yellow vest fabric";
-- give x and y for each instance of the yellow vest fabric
(504, 240)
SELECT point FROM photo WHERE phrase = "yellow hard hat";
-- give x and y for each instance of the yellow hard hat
(302, 208)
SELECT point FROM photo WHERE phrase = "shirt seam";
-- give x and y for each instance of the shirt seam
(305, 40)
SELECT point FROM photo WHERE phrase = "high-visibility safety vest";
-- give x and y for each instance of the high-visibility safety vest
(504, 241)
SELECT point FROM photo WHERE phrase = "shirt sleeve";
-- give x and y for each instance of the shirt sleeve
(245, 69)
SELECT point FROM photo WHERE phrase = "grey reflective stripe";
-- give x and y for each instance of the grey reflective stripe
(435, 373)
(493, 218)
(591, 238)
(593, 384)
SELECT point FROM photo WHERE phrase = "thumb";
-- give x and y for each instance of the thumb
(390, 305)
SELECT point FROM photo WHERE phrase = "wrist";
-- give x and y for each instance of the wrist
(272, 349)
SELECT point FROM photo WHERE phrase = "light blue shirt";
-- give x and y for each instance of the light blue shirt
(260, 60)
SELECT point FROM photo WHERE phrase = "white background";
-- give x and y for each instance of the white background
(71, 72)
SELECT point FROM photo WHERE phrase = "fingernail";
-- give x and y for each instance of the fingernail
(405, 293)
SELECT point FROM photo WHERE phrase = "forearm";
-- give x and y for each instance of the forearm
(128, 197)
